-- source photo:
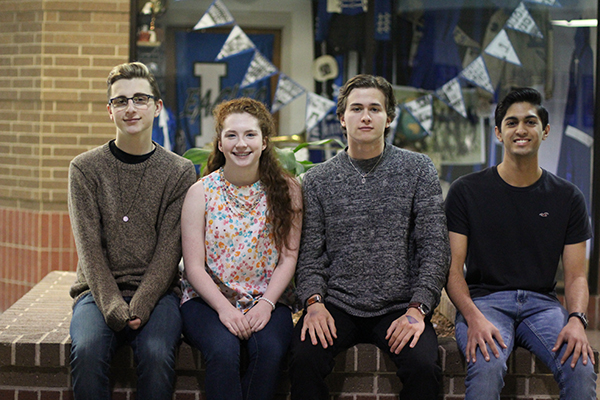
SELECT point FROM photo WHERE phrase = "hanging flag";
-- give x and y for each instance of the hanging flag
(287, 91)
(451, 94)
(260, 68)
(554, 3)
(236, 43)
(477, 74)
(317, 107)
(322, 21)
(575, 160)
(422, 110)
(164, 129)
(501, 47)
(216, 15)
(522, 21)
(438, 58)
(383, 19)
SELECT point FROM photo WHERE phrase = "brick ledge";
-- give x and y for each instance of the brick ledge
(35, 345)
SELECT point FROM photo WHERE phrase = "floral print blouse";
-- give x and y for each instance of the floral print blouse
(240, 249)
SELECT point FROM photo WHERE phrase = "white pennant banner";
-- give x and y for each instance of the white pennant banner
(477, 73)
(287, 91)
(236, 42)
(216, 15)
(462, 39)
(522, 21)
(394, 125)
(422, 110)
(451, 94)
(502, 48)
(260, 68)
(317, 107)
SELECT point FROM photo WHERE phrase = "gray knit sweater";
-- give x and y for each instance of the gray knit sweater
(372, 248)
(137, 258)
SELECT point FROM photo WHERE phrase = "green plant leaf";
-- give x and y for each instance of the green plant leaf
(319, 143)
(287, 159)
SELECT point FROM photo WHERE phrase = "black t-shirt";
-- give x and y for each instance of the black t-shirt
(515, 235)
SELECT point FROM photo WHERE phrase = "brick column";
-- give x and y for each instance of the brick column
(54, 59)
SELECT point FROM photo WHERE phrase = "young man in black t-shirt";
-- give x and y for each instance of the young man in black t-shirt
(510, 225)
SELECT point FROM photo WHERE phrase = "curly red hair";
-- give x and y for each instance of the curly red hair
(275, 179)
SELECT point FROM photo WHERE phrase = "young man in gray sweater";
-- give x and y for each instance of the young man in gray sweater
(374, 252)
(125, 200)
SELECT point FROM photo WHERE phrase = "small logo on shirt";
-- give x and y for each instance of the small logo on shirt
(544, 214)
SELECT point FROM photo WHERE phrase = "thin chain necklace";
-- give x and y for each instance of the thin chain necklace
(126, 213)
(364, 176)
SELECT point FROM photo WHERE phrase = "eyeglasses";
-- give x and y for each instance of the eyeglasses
(140, 100)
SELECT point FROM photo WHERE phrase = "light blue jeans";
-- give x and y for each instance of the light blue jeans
(532, 321)
(154, 344)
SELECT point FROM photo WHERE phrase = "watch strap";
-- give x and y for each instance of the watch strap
(582, 317)
(315, 298)
(419, 306)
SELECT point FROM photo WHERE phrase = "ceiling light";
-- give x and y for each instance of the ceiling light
(576, 23)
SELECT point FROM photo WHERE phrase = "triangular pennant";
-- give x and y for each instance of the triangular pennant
(502, 48)
(260, 68)
(422, 110)
(394, 123)
(287, 91)
(554, 3)
(521, 21)
(462, 39)
(216, 15)
(451, 94)
(317, 107)
(236, 42)
(477, 73)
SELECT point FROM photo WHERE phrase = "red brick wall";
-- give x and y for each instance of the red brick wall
(54, 59)
(31, 245)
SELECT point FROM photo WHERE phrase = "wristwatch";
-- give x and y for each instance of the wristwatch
(423, 309)
(315, 298)
(582, 317)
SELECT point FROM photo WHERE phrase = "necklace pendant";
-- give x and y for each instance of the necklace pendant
(126, 218)
(364, 179)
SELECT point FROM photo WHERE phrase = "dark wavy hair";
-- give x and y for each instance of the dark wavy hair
(365, 81)
(275, 179)
(131, 71)
(521, 95)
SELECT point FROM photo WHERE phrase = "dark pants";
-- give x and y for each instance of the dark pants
(418, 368)
(222, 351)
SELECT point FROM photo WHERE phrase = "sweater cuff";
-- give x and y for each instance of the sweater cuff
(116, 318)
(136, 310)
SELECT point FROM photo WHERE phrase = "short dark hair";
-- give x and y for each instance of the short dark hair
(131, 71)
(364, 81)
(521, 95)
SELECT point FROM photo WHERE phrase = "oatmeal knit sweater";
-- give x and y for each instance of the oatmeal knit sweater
(137, 258)
(371, 248)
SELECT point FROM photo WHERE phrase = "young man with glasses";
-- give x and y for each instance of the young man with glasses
(125, 200)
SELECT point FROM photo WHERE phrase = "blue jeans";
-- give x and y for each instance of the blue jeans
(533, 321)
(221, 350)
(93, 345)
